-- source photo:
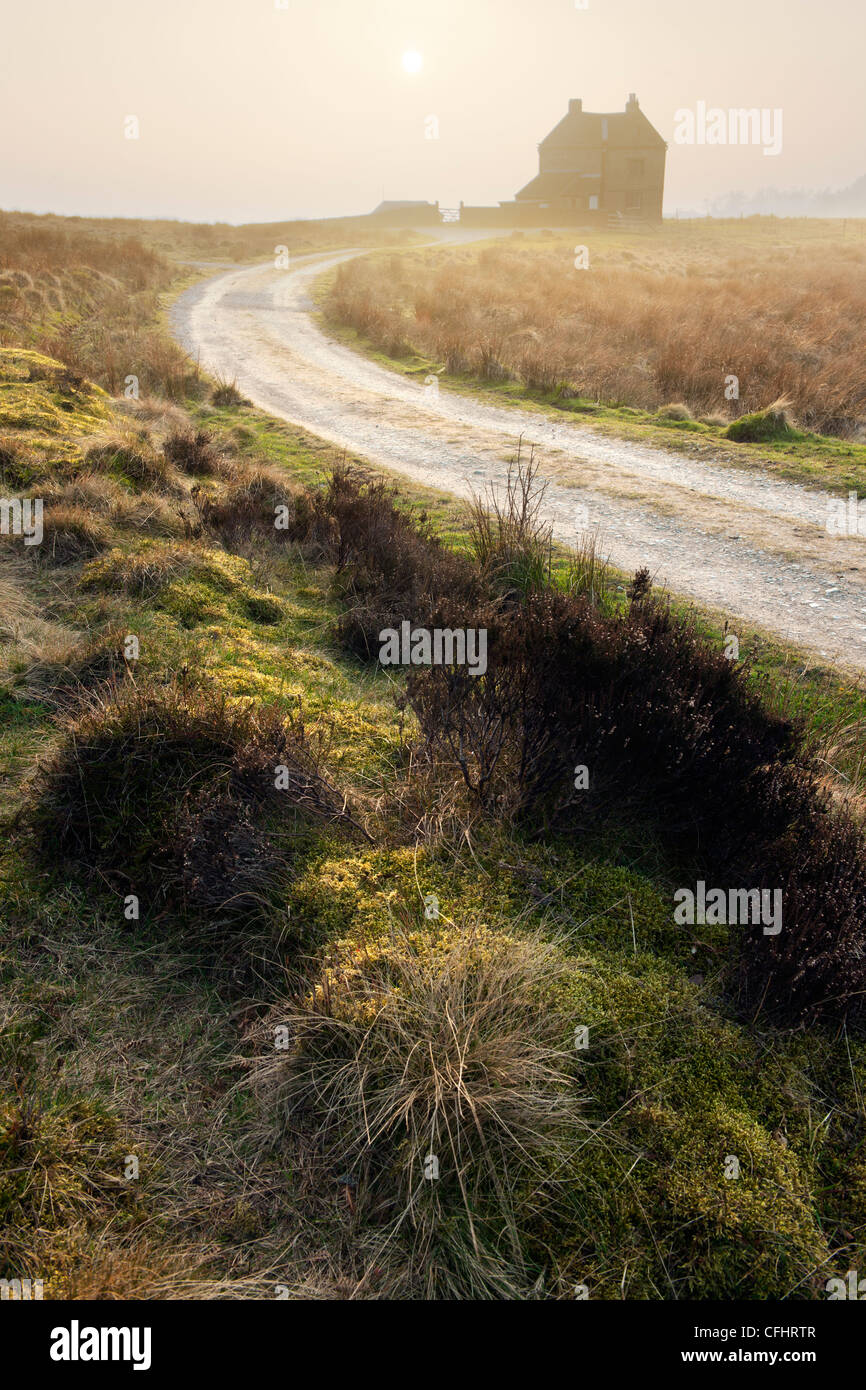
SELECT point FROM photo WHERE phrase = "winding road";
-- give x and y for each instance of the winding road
(740, 541)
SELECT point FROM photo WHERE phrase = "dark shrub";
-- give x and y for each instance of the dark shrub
(193, 451)
(227, 862)
(669, 731)
(659, 717)
(815, 966)
(147, 776)
(390, 566)
(245, 509)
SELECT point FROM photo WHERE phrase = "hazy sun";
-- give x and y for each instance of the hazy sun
(412, 61)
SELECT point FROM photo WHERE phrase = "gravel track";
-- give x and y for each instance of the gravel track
(740, 541)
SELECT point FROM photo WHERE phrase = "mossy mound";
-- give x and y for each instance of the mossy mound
(763, 427)
(133, 459)
(37, 393)
(701, 1173)
(703, 1182)
(144, 572)
(62, 1169)
(190, 583)
(151, 779)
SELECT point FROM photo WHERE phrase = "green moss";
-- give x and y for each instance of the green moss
(682, 1101)
(62, 1164)
(762, 426)
(264, 610)
(214, 588)
(37, 393)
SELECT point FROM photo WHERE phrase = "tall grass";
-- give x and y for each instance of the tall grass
(511, 543)
(668, 321)
(91, 301)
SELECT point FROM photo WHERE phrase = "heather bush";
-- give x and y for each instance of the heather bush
(193, 451)
(390, 567)
(661, 717)
(246, 508)
(814, 853)
(151, 782)
(670, 733)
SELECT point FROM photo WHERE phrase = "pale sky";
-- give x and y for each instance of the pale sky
(250, 112)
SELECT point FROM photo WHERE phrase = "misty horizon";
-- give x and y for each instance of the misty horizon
(287, 109)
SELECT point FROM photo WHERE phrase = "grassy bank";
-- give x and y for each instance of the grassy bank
(90, 292)
(265, 953)
(153, 1037)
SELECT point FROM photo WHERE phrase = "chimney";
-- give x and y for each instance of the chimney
(632, 104)
(575, 106)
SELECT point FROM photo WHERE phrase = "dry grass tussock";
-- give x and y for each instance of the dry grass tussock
(173, 787)
(436, 1084)
(25, 633)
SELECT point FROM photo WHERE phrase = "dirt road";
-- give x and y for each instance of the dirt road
(752, 546)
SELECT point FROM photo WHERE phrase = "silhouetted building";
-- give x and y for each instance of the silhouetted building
(599, 163)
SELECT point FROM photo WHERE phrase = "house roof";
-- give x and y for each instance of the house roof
(548, 187)
(584, 128)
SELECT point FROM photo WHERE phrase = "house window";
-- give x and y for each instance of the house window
(593, 202)
(635, 168)
(633, 202)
